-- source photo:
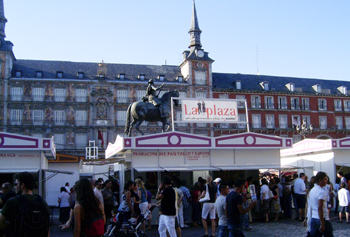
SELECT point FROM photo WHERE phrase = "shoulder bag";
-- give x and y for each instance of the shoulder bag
(207, 196)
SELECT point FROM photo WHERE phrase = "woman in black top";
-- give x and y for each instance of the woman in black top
(209, 206)
(136, 200)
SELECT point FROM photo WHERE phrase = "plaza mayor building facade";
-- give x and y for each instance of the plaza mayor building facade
(78, 102)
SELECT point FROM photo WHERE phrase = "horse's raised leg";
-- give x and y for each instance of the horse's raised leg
(138, 123)
(166, 125)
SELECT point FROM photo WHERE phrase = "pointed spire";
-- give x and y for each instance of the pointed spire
(3, 20)
(195, 32)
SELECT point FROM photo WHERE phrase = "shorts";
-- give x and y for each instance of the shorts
(342, 208)
(208, 208)
(300, 199)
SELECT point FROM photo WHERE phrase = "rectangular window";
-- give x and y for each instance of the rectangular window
(347, 122)
(60, 95)
(199, 78)
(182, 95)
(59, 117)
(269, 102)
(16, 93)
(38, 94)
(322, 104)
(38, 117)
(307, 119)
(59, 141)
(339, 122)
(282, 103)
(161, 77)
(296, 138)
(240, 104)
(80, 95)
(305, 104)
(139, 95)
(283, 120)
(201, 95)
(256, 102)
(179, 118)
(242, 118)
(323, 122)
(347, 105)
(256, 118)
(270, 121)
(122, 96)
(223, 96)
(238, 85)
(80, 75)
(296, 120)
(80, 117)
(337, 105)
(80, 140)
(121, 118)
(294, 103)
(16, 116)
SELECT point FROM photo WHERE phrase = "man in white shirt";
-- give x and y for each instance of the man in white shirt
(300, 193)
(97, 191)
(67, 187)
(320, 223)
(220, 206)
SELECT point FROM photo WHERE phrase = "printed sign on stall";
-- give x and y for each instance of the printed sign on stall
(217, 111)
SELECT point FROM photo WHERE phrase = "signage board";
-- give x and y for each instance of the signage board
(209, 111)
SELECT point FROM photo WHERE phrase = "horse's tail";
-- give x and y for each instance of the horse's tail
(127, 123)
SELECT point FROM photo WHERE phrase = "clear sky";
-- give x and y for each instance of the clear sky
(296, 38)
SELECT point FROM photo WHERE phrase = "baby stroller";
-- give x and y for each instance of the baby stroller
(126, 228)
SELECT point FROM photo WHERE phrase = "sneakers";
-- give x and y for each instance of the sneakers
(185, 226)
(341, 221)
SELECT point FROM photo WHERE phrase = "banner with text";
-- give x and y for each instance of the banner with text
(218, 111)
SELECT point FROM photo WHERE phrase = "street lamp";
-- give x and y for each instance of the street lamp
(304, 129)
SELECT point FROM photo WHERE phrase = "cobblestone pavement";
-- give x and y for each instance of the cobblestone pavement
(283, 228)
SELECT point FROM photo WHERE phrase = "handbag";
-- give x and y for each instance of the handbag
(270, 194)
(206, 197)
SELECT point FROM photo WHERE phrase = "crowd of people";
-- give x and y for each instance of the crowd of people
(89, 207)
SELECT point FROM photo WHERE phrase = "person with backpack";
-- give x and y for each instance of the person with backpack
(27, 213)
(89, 216)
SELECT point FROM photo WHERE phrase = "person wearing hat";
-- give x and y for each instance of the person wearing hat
(217, 182)
(151, 94)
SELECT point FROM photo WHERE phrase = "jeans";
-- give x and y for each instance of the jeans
(166, 223)
(223, 231)
(235, 231)
(315, 228)
(244, 217)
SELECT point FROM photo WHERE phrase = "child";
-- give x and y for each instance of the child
(114, 213)
(344, 198)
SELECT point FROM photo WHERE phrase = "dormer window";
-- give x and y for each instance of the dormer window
(101, 75)
(39, 74)
(343, 90)
(59, 74)
(142, 77)
(80, 75)
(18, 73)
(238, 85)
(161, 77)
(265, 85)
(317, 88)
(121, 76)
(291, 87)
(180, 78)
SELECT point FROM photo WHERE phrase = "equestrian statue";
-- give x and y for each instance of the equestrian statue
(151, 109)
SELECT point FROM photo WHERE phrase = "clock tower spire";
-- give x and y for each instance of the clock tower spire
(3, 20)
(195, 32)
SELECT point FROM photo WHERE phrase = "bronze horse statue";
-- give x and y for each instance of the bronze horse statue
(143, 111)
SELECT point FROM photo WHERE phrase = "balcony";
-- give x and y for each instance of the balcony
(256, 105)
(269, 106)
(102, 122)
(200, 81)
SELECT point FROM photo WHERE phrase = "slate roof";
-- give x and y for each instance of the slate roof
(226, 81)
(90, 70)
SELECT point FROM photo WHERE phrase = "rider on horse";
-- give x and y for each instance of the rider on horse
(151, 94)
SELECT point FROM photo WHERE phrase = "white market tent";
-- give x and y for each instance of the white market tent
(177, 151)
(19, 153)
(318, 155)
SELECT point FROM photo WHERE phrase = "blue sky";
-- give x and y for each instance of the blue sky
(299, 38)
